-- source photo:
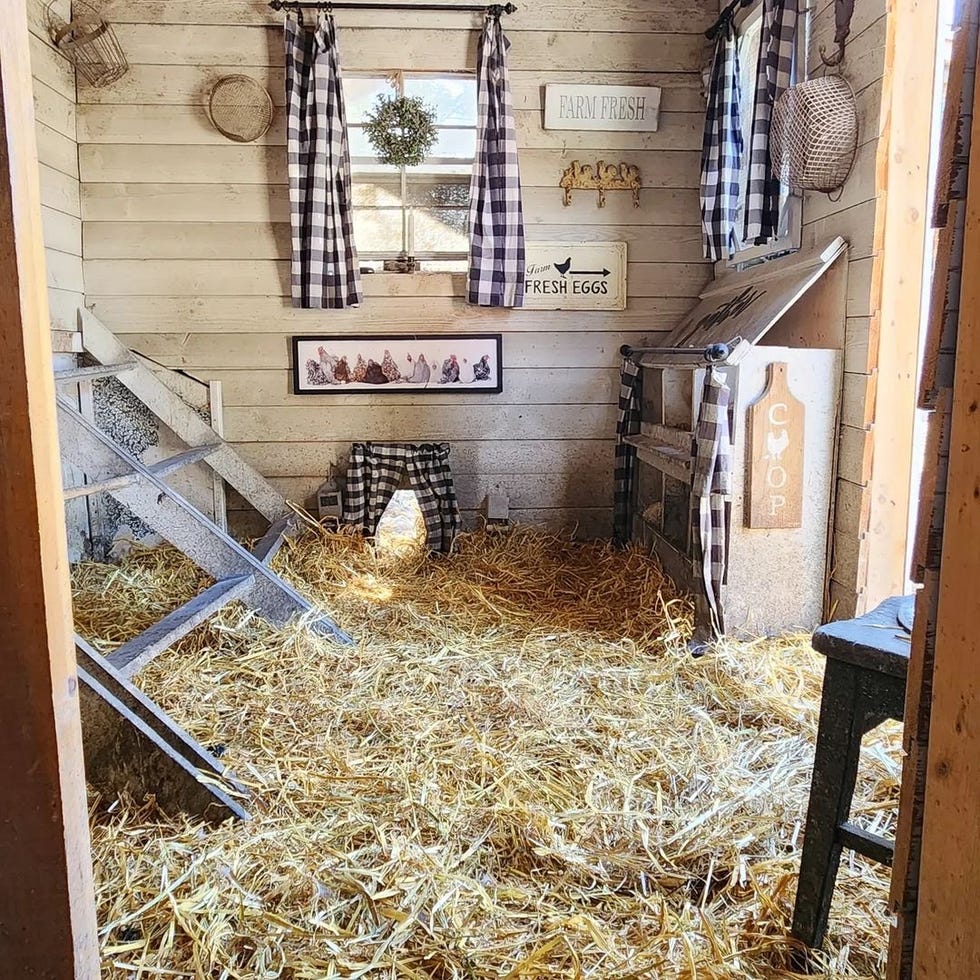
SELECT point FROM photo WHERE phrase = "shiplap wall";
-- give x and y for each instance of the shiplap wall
(855, 215)
(186, 238)
(55, 112)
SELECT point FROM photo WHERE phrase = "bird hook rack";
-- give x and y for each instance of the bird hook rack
(494, 9)
(843, 12)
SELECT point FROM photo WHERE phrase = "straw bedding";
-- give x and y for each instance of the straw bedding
(516, 772)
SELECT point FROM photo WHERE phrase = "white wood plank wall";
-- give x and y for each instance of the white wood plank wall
(186, 238)
(61, 214)
(854, 215)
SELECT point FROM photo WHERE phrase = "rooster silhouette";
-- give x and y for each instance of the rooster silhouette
(563, 267)
(776, 445)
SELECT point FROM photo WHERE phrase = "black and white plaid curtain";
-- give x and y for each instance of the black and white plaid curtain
(496, 270)
(627, 424)
(324, 260)
(721, 150)
(374, 474)
(711, 489)
(775, 71)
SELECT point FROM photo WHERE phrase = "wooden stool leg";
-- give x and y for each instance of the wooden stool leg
(834, 775)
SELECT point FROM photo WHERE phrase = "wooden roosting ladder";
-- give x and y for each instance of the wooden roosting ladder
(129, 742)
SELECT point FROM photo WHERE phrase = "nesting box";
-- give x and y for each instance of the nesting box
(497, 507)
(782, 326)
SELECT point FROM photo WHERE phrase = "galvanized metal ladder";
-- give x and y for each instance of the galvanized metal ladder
(239, 573)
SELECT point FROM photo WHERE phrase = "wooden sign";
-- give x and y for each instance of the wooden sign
(615, 108)
(774, 490)
(575, 276)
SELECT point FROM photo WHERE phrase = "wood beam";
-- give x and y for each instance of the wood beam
(897, 285)
(947, 933)
(47, 903)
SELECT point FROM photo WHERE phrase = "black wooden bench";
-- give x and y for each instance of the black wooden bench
(867, 664)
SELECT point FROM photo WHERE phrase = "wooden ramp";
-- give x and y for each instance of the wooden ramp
(130, 743)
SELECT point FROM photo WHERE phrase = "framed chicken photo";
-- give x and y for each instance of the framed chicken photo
(341, 364)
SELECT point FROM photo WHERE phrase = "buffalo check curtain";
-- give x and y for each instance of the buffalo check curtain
(324, 260)
(627, 424)
(774, 73)
(711, 489)
(496, 263)
(721, 150)
(375, 472)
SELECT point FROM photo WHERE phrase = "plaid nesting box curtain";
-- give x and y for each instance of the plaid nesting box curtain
(496, 266)
(711, 489)
(721, 150)
(775, 72)
(627, 424)
(325, 272)
(374, 474)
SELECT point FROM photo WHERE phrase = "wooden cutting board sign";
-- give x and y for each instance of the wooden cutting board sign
(775, 446)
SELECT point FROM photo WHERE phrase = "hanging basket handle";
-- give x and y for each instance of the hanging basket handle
(843, 12)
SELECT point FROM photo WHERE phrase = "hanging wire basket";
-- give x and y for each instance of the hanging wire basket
(814, 135)
(240, 108)
(90, 44)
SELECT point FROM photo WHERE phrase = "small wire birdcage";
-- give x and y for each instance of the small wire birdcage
(814, 135)
(90, 44)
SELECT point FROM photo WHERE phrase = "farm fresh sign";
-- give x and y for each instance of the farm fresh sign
(575, 276)
(622, 108)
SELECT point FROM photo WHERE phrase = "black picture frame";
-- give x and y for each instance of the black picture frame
(484, 351)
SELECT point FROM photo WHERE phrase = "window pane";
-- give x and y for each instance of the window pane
(360, 145)
(361, 93)
(429, 193)
(377, 193)
(440, 229)
(454, 99)
(377, 230)
(457, 144)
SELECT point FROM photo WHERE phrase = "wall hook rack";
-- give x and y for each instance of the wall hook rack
(602, 177)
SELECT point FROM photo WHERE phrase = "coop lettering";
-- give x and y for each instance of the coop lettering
(630, 108)
(777, 441)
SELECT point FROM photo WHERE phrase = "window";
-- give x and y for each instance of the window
(420, 211)
(748, 31)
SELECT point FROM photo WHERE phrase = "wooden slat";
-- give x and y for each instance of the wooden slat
(265, 240)
(420, 423)
(475, 457)
(522, 386)
(897, 284)
(162, 277)
(193, 351)
(182, 85)
(383, 49)
(133, 748)
(256, 164)
(661, 16)
(136, 653)
(246, 202)
(947, 937)
(399, 315)
(47, 901)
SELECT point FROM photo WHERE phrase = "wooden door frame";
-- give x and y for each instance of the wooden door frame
(47, 902)
(897, 290)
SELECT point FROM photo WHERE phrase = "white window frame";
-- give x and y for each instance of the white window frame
(790, 236)
(397, 81)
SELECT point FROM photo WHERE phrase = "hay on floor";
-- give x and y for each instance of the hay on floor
(516, 772)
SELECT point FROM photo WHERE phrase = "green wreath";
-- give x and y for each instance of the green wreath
(402, 130)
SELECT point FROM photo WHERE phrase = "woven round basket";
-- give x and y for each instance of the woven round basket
(814, 135)
(240, 108)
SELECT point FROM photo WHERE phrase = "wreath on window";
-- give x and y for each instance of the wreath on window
(401, 130)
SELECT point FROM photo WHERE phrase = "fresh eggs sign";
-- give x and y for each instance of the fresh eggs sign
(575, 276)
(616, 108)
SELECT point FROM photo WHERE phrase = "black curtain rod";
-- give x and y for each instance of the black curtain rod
(498, 8)
(724, 18)
(712, 354)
